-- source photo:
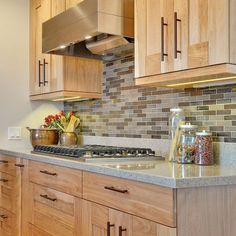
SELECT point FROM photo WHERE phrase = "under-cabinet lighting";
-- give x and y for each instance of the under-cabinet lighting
(62, 46)
(202, 81)
(88, 37)
(65, 99)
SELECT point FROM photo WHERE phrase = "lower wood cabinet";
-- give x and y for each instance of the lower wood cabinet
(38, 199)
(99, 220)
(53, 208)
(10, 195)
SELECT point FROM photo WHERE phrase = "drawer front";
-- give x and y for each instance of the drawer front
(34, 231)
(9, 192)
(145, 200)
(7, 223)
(52, 211)
(63, 179)
(7, 164)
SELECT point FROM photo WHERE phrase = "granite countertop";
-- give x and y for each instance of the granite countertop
(154, 172)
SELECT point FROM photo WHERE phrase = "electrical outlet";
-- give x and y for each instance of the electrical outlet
(14, 132)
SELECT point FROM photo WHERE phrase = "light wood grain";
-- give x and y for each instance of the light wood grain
(191, 75)
(65, 76)
(94, 220)
(153, 39)
(66, 180)
(8, 192)
(7, 227)
(55, 217)
(72, 3)
(181, 7)
(232, 31)
(198, 55)
(84, 75)
(155, 203)
(10, 197)
(34, 231)
(7, 164)
(206, 211)
(120, 219)
(67, 95)
(143, 227)
(140, 37)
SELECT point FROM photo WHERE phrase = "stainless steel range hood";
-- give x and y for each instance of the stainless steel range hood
(90, 29)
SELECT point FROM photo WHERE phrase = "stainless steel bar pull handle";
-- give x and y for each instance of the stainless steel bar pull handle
(176, 20)
(109, 225)
(39, 68)
(121, 230)
(163, 24)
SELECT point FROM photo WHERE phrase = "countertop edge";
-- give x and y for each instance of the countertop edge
(164, 181)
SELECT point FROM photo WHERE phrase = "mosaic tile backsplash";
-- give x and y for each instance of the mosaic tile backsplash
(126, 110)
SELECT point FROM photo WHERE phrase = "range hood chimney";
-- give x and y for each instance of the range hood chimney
(90, 29)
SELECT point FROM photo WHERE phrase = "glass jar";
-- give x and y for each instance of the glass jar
(186, 144)
(177, 115)
(204, 148)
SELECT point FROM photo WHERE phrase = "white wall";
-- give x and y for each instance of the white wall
(15, 107)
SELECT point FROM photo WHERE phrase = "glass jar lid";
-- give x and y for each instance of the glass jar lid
(176, 109)
(188, 126)
(204, 133)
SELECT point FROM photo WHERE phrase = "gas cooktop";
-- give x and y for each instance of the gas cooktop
(91, 152)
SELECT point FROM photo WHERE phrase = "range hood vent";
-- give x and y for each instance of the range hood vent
(90, 29)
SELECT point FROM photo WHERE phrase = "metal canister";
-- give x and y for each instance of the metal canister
(204, 148)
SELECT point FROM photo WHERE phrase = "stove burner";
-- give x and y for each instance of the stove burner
(94, 151)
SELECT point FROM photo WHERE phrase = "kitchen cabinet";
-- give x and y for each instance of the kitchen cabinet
(104, 221)
(40, 199)
(71, 3)
(10, 196)
(53, 205)
(58, 77)
(183, 42)
(157, 204)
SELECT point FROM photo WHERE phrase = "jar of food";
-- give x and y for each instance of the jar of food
(204, 148)
(186, 144)
(177, 115)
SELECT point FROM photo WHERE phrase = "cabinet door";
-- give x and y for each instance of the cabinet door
(161, 28)
(10, 197)
(94, 220)
(40, 67)
(142, 227)
(208, 32)
(147, 36)
(122, 223)
(72, 3)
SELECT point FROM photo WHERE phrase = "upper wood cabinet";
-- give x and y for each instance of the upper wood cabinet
(177, 41)
(58, 77)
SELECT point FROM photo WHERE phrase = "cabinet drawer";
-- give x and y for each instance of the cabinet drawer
(52, 211)
(7, 223)
(34, 231)
(63, 179)
(149, 201)
(9, 195)
(7, 164)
